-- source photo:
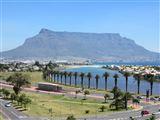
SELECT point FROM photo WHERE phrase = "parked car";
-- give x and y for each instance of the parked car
(144, 112)
(8, 104)
(153, 99)
(156, 113)
(140, 97)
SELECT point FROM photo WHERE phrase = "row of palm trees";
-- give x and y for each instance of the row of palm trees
(59, 75)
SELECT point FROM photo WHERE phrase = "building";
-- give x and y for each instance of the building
(49, 86)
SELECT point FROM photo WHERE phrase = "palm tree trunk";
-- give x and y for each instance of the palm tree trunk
(106, 83)
(126, 106)
(65, 80)
(75, 80)
(96, 83)
(138, 85)
(70, 81)
(151, 85)
(82, 82)
(89, 82)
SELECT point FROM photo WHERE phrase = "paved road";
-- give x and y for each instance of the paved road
(10, 113)
(13, 114)
(125, 115)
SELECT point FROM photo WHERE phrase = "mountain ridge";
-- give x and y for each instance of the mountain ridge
(99, 46)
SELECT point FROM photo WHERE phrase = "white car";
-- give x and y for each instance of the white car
(8, 105)
(156, 113)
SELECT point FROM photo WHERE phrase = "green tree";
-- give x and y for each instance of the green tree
(126, 75)
(6, 93)
(61, 76)
(86, 92)
(82, 75)
(115, 79)
(75, 74)
(18, 80)
(150, 79)
(97, 79)
(70, 78)
(65, 77)
(13, 96)
(89, 76)
(106, 96)
(71, 117)
(26, 101)
(118, 102)
(102, 108)
(138, 77)
(106, 75)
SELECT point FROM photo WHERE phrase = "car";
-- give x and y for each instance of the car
(140, 97)
(153, 99)
(8, 105)
(144, 112)
(156, 113)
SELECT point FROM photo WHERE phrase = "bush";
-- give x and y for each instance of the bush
(71, 117)
(102, 108)
(87, 111)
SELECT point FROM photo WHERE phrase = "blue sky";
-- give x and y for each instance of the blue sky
(139, 20)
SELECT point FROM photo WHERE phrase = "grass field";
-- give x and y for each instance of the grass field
(35, 76)
(62, 105)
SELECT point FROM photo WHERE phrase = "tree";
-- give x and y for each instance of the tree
(86, 92)
(138, 78)
(65, 77)
(18, 80)
(106, 75)
(82, 77)
(76, 92)
(71, 117)
(61, 76)
(106, 96)
(57, 73)
(70, 78)
(6, 93)
(135, 101)
(102, 108)
(150, 79)
(115, 79)
(26, 101)
(126, 75)
(89, 76)
(97, 79)
(13, 96)
(118, 101)
(75, 74)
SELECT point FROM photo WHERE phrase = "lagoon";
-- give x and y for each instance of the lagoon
(132, 83)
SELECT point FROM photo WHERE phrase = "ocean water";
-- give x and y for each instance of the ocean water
(132, 83)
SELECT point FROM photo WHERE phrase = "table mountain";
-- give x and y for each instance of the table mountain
(97, 46)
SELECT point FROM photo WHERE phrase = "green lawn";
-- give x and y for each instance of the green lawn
(35, 76)
(61, 105)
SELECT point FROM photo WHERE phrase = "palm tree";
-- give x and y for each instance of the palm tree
(82, 77)
(138, 78)
(115, 80)
(65, 77)
(126, 75)
(57, 73)
(150, 79)
(54, 75)
(75, 77)
(61, 76)
(97, 78)
(106, 75)
(89, 75)
(70, 77)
